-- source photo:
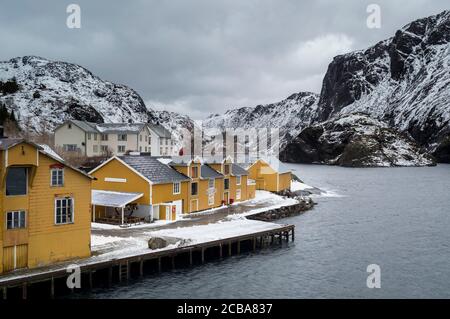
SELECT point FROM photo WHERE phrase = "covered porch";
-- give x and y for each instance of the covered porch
(118, 208)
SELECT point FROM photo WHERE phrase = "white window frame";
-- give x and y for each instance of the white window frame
(73, 210)
(238, 194)
(95, 148)
(211, 181)
(238, 180)
(122, 137)
(119, 148)
(175, 191)
(13, 213)
(51, 177)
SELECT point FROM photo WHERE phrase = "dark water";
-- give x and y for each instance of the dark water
(397, 218)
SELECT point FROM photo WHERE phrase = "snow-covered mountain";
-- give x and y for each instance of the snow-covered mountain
(290, 116)
(404, 81)
(51, 92)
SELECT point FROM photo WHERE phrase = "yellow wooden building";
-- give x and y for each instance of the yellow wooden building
(206, 189)
(237, 187)
(269, 174)
(134, 187)
(45, 207)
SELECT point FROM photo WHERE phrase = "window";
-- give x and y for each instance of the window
(70, 147)
(160, 151)
(15, 220)
(16, 181)
(121, 148)
(57, 177)
(104, 148)
(149, 140)
(146, 138)
(227, 169)
(226, 183)
(167, 142)
(121, 137)
(104, 137)
(146, 149)
(140, 148)
(238, 194)
(211, 183)
(194, 188)
(238, 180)
(211, 199)
(70, 126)
(95, 148)
(176, 188)
(194, 171)
(167, 151)
(63, 210)
(95, 136)
(89, 136)
(140, 138)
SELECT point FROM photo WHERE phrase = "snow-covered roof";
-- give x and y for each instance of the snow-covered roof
(120, 127)
(47, 149)
(159, 130)
(113, 199)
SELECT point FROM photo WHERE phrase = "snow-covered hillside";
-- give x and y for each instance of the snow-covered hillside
(290, 116)
(51, 92)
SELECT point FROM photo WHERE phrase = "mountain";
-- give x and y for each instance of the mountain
(50, 92)
(355, 140)
(290, 115)
(404, 81)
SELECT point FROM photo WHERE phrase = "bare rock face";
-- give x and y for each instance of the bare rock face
(355, 140)
(403, 81)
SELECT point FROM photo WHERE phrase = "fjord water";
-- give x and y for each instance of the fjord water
(397, 218)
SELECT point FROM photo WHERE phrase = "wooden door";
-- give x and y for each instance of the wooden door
(15, 257)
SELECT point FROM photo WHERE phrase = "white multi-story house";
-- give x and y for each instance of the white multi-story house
(93, 139)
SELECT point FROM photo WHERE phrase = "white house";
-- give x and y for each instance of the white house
(93, 139)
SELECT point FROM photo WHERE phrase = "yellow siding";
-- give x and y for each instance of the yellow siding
(42, 242)
(134, 183)
(267, 178)
(163, 193)
(48, 242)
(284, 181)
(22, 154)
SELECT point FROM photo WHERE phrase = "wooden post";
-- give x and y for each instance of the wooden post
(52, 288)
(5, 293)
(254, 243)
(190, 257)
(141, 268)
(293, 234)
(229, 248)
(203, 255)
(122, 217)
(91, 284)
(159, 264)
(110, 275)
(24, 291)
(220, 251)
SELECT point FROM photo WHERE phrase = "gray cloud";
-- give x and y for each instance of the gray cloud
(201, 57)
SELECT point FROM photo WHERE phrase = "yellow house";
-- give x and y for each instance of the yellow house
(133, 187)
(45, 207)
(270, 174)
(206, 189)
(236, 186)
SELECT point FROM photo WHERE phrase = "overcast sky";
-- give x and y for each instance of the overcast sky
(202, 57)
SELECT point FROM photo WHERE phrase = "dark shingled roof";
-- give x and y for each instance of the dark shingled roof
(236, 170)
(208, 172)
(154, 170)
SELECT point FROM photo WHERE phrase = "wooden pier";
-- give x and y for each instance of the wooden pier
(51, 283)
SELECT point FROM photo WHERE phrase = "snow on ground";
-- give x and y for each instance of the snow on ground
(299, 186)
(97, 240)
(156, 223)
(224, 229)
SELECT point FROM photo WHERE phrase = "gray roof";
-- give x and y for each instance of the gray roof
(153, 169)
(181, 160)
(7, 142)
(120, 127)
(208, 172)
(160, 130)
(237, 170)
(85, 126)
